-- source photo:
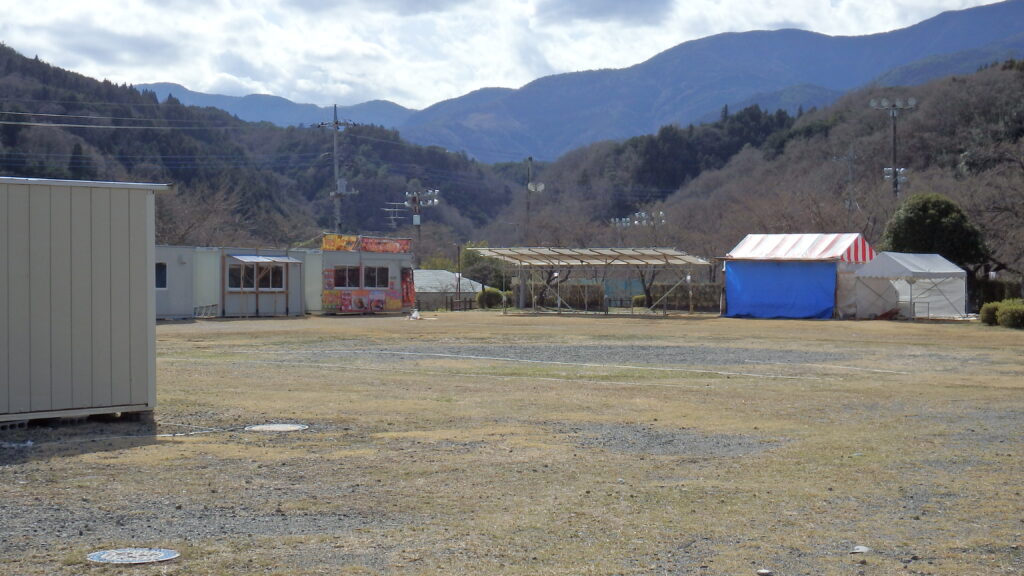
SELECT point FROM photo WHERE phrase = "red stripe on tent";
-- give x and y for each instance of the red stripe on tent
(860, 251)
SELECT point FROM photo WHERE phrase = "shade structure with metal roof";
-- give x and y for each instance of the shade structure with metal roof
(257, 259)
(600, 261)
(547, 257)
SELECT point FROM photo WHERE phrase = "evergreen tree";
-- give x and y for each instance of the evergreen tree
(934, 224)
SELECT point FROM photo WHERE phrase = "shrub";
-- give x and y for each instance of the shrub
(639, 301)
(1011, 315)
(489, 298)
(988, 313)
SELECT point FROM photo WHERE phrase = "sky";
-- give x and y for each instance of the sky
(411, 52)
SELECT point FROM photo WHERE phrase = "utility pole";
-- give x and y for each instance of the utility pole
(340, 184)
(531, 187)
(894, 172)
(416, 200)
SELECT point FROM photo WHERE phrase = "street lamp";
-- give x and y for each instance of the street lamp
(894, 173)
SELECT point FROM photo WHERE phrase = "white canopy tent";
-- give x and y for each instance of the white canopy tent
(911, 285)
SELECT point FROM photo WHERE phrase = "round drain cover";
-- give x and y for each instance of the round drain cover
(276, 427)
(133, 555)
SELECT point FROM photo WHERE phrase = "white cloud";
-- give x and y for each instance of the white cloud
(412, 52)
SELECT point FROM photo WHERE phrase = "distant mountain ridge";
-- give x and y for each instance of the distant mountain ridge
(281, 111)
(689, 83)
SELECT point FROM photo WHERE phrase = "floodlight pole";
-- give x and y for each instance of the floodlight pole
(531, 187)
(896, 174)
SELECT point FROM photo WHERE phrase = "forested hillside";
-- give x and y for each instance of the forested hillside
(821, 172)
(749, 171)
(235, 182)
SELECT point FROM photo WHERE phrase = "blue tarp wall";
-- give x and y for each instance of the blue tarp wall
(773, 289)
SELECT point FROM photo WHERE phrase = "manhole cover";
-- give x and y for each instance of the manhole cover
(133, 555)
(276, 427)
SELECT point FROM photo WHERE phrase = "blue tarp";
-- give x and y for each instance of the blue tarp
(773, 289)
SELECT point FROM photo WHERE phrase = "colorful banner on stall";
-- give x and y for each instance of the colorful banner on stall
(340, 242)
(408, 288)
(361, 301)
(385, 245)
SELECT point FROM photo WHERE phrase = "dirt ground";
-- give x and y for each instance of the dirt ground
(482, 443)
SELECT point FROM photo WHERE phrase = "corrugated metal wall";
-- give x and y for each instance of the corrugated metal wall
(77, 304)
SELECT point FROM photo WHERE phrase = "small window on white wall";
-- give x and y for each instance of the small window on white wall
(346, 276)
(271, 277)
(161, 274)
(375, 277)
(242, 276)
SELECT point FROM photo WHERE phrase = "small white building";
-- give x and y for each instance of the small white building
(233, 282)
(434, 288)
(77, 308)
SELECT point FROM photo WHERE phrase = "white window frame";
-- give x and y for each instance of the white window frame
(242, 285)
(348, 271)
(376, 273)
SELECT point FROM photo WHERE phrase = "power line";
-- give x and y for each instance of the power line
(115, 127)
(89, 117)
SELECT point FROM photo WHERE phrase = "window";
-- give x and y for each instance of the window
(242, 276)
(271, 277)
(161, 274)
(248, 276)
(375, 277)
(346, 276)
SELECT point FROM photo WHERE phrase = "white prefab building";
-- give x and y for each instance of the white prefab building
(77, 308)
(234, 282)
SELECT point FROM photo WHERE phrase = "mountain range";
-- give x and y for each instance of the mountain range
(689, 83)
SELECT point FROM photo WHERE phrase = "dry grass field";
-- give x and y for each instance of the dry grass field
(479, 443)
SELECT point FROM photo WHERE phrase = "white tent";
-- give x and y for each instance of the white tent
(911, 285)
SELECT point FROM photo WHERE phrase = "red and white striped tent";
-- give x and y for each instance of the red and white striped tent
(842, 247)
(794, 275)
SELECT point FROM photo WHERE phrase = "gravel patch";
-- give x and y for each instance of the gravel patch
(602, 354)
(646, 439)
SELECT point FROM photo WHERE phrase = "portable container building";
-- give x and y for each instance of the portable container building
(234, 282)
(77, 305)
(175, 282)
(364, 274)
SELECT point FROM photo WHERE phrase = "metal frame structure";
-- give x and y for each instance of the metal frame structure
(545, 257)
(532, 259)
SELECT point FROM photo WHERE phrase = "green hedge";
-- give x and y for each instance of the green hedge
(489, 298)
(1011, 315)
(987, 315)
(992, 312)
